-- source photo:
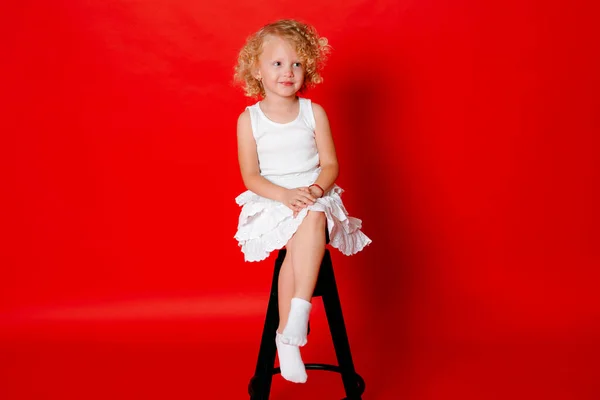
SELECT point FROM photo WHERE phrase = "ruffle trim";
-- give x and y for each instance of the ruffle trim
(266, 225)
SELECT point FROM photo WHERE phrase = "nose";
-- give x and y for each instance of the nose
(289, 72)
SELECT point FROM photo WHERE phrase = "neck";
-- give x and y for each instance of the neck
(278, 102)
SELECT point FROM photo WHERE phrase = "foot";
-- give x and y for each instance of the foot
(290, 361)
(295, 330)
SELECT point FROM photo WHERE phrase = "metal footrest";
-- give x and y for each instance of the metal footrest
(360, 382)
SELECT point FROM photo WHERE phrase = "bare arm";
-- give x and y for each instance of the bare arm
(326, 148)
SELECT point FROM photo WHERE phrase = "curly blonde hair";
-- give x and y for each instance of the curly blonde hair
(311, 48)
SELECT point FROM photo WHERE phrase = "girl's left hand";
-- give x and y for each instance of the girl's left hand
(315, 192)
(300, 206)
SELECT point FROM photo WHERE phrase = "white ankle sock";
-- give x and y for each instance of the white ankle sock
(296, 328)
(290, 361)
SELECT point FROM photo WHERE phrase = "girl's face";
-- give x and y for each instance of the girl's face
(279, 68)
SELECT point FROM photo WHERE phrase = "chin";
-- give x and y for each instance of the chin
(288, 93)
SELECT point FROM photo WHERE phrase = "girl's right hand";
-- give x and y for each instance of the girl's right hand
(297, 199)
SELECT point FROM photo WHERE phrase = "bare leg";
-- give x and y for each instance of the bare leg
(286, 289)
(306, 252)
(290, 359)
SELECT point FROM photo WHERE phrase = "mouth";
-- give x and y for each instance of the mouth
(287, 83)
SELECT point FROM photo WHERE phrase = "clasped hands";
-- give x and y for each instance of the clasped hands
(300, 198)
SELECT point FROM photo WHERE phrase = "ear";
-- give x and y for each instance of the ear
(256, 71)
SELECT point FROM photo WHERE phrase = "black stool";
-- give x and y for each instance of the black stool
(259, 387)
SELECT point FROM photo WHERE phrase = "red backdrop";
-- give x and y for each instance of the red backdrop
(466, 134)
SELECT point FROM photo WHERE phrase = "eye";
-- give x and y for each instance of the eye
(298, 64)
(277, 63)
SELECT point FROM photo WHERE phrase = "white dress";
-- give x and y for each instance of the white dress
(288, 157)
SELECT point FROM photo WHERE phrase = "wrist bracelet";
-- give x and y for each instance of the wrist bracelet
(322, 191)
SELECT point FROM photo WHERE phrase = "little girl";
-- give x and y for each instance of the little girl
(288, 164)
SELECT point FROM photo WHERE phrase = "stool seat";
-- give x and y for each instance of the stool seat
(259, 387)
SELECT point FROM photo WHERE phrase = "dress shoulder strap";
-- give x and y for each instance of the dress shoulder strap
(254, 118)
(307, 114)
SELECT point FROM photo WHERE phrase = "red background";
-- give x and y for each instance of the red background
(466, 135)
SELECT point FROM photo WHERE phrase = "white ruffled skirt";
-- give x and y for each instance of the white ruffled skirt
(265, 225)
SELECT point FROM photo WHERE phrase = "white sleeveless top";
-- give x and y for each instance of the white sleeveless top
(288, 157)
(285, 150)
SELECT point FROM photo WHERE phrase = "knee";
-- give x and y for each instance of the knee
(316, 219)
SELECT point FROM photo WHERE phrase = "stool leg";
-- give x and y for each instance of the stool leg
(337, 327)
(260, 384)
